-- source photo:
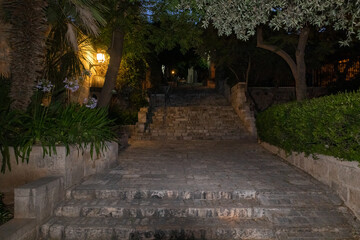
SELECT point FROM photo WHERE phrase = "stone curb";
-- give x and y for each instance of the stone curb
(342, 176)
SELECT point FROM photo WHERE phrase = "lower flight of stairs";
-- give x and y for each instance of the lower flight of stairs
(180, 214)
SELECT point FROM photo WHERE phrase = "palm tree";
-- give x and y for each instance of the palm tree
(4, 47)
(71, 22)
(27, 41)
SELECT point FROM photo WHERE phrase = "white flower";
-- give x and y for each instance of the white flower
(72, 85)
(44, 85)
(90, 103)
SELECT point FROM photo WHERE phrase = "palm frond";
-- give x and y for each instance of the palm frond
(88, 20)
(71, 36)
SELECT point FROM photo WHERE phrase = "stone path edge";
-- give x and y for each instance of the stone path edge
(342, 176)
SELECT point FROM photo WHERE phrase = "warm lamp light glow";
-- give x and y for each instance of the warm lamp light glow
(173, 72)
(100, 57)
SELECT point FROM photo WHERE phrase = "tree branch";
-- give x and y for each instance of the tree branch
(274, 49)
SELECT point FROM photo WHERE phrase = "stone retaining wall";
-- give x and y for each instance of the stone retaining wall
(45, 182)
(72, 168)
(342, 176)
(237, 97)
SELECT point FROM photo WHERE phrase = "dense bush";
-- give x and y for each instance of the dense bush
(329, 125)
(71, 125)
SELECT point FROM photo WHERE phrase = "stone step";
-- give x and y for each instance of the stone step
(235, 209)
(198, 133)
(90, 192)
(62, 228)
(189, 138)
(79, 228)
(242, 208)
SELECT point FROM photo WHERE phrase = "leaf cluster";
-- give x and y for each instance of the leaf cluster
(242, 17)
(327, 125)
(72, 125)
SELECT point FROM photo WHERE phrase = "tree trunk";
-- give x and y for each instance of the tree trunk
(247, 75)
(27, 40)
(301, 88)
(115, 53)
(298, 69)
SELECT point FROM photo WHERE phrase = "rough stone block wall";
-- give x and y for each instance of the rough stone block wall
(342, 176)
(237, 97)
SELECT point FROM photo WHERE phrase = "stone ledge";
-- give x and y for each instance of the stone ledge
(36, 200)
(342, 176)
(237, 97)
(73, 167)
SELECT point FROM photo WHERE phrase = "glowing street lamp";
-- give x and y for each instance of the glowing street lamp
(173, 72)
(97, 80)
(100, 57)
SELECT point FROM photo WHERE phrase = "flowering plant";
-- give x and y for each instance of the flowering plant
(45, 85)
(90, 103)
(72, 85)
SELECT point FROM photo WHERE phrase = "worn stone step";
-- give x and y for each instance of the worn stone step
(165, 137)
(80, 228)
(155, 228)
(237, 209)
(244, 208)
(90, 192)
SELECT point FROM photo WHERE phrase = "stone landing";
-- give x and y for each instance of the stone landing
(200, 190)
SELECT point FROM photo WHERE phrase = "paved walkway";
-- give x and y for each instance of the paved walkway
(207, 190)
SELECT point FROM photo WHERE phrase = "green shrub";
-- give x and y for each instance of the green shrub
(329, 125)
(5, 214)
(72, 125)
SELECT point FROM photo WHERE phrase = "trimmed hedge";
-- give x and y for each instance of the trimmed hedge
(328, 125)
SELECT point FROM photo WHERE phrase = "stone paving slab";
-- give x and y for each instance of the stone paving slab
(202, 165)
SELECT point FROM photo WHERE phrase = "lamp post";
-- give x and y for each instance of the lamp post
(100, 57)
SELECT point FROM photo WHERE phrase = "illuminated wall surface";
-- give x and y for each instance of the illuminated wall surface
(327, 73)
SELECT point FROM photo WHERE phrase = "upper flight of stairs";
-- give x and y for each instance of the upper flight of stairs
(194, 115)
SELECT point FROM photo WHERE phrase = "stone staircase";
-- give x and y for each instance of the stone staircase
(200, 190)
(172, 214)
(207, 189)
(158, 215)
(200, 114)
